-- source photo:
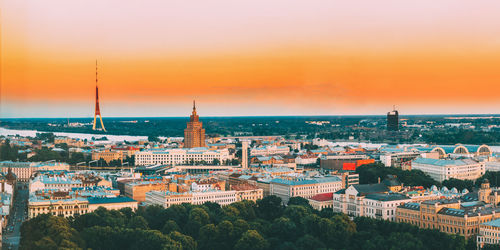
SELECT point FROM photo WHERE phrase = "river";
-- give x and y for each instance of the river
(119, 138)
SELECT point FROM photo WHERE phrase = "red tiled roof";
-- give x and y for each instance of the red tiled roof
(322, 197)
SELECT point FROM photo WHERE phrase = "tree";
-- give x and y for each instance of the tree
(225, 235)
(241, 225)
(187, 242)
(251, 239)
(284, 228)
(459, 184)
(270, 207)
(206, 237)
(45, 231)
(197, 218)
(309, 242)
(170, 226)
(152, 138)
(371, 173)
(297, 200)
(138, 222)
(8, 153)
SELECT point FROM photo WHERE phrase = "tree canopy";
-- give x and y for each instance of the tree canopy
(266, 224)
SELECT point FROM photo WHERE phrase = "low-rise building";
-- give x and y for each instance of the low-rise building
(269, 150)
(383, 206)
(25, 170)
(180, 156)
(489, 233)
(22, 170)
(344, 162)
(111, 203)
(62, 181)
(321, 201)
(373, 200)
(108, 155)
(448, 215)
(63, 206)
(137, 189)
(248, 192)
(285, 188)
(167, 198)
(440, 169)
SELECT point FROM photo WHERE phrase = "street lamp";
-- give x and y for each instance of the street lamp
(80, 163)
(96, 161)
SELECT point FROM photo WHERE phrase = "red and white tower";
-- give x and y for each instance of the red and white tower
(97, 110)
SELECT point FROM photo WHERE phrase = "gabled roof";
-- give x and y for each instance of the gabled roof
(322, 197)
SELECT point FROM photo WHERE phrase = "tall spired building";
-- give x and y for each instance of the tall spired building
(194, 134)
(97, 110)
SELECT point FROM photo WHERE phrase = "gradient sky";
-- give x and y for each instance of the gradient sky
(254, 57)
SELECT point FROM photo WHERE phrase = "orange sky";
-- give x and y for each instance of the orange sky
(253, 58)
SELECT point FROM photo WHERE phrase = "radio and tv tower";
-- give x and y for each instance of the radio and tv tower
(97, 110)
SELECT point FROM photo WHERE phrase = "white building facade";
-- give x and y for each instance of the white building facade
(377, 205)
(167, 199)
(304, 187)
(180, 156)
(269, 150)
(441, 170)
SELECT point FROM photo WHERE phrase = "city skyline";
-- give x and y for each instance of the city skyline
(249, 59)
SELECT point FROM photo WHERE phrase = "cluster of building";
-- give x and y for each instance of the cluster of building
(224, 170)
(68, 194)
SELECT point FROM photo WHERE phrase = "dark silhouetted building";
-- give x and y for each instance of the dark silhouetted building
(393, 120)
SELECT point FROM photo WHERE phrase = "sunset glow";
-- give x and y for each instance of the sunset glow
(253, 58)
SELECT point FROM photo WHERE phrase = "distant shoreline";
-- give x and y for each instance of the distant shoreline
(466, 116)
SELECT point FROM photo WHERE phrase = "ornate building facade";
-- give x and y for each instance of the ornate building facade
(194, 134)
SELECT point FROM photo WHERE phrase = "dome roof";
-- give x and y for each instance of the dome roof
(454, 190)
(444, 189)
(465, 191)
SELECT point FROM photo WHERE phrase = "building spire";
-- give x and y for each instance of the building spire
(194, 105)
(96, 73)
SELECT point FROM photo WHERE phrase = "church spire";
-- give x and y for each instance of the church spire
(194, 105)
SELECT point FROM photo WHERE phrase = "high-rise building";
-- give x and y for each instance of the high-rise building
(393, 120)
(244, 154)
(194, 134)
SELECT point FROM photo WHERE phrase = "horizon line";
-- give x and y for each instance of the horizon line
(225, 116)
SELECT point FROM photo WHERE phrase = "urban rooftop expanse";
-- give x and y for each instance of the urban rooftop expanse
(249, 125)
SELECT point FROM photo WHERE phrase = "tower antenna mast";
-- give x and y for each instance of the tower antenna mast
(97, 109)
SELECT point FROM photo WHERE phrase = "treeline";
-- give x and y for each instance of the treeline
(370, 173)
(462, 136)
(265, 224)
(9, 152)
